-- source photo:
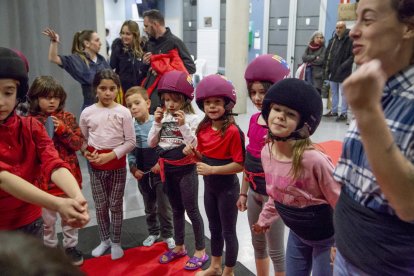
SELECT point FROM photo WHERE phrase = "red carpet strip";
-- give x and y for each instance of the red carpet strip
(332, 148)
(142, 261)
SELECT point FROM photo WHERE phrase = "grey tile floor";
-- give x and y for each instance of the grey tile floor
(134, 205)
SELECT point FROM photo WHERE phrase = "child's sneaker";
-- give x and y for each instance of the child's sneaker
(75, 255)
(150, 240)
(170, 242)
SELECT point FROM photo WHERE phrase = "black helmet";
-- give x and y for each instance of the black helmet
(12, 66)
(299, 96)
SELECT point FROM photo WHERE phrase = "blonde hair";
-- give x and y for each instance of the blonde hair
(137, 90)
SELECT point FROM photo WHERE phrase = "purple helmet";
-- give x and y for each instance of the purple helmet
(177, 81)
(270, 68)
(216, 86)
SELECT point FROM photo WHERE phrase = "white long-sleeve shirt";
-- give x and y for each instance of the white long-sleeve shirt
(168, 134)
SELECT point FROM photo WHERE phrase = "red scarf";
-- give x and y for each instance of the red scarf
(314, 46)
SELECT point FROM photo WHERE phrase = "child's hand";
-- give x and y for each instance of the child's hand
(180, 116)
(190, 150)
(156, 169)
(103, 158)
(204, 169)
(242, 203)
(138, 174)
(56, 122)
(257, 229)
(54, 37)
(158, 114)
(74, 211)
(90, 155)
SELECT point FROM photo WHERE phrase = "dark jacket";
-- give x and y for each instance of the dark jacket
(131, 70)
(339, 58)
(166, 43)
(315, 59)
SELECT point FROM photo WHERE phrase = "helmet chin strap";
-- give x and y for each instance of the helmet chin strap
(298, 134)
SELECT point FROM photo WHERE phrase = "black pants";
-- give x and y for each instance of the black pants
(220, 198)
(34, 229)
(157, 206)
(182, 190)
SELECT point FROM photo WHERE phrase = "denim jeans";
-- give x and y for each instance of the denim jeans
(336, 89)
(304, 256)
(344, 268)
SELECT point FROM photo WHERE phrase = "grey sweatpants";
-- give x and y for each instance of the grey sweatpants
(269, 244)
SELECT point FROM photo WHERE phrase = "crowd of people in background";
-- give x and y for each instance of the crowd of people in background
(140, 111)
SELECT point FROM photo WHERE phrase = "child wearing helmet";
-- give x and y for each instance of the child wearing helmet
(299, 178)
(260, 74)
(173, 130)
(221, 150)
(25, 150)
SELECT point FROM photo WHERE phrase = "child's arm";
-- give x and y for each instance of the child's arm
(242, 201)
(130, 140)
(231, 168)
(267, 216)
(68, 131)
(188, 126)
(71, 210)
(154, 133)
(329, 187)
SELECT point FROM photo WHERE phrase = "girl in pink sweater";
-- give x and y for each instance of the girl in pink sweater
(299, 178)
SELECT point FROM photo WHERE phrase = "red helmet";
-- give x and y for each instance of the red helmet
(271, 68)
(216, 86)
(177, 81)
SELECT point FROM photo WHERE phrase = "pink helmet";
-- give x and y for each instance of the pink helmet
(177, 81)
(271, 68)
(216, 86)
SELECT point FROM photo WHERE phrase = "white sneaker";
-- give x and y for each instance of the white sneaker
(150, 240)
(170, 242)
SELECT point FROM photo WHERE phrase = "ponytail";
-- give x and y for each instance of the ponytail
(78, 43)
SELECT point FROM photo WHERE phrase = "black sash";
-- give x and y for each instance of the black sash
(174, 154)
(219, 181)
(379, 244)
(313, 223)
(146, 158)
(253, 164)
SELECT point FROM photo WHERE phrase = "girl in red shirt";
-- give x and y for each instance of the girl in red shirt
(47, 100)
(221, 150)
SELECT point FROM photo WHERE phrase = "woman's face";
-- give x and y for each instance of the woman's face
(126, 36)
(318, 39)
(377, 34)
(94, 45)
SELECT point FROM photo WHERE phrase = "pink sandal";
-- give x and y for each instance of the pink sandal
(171, 256)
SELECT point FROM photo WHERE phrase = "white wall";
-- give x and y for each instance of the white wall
(208, 38)
(174, 16)
(114, 14)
